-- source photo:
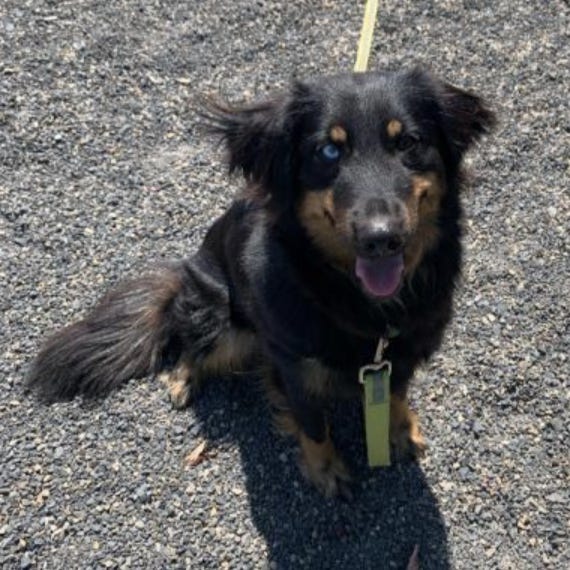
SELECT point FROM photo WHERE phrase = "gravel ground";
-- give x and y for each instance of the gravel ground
(103, 172)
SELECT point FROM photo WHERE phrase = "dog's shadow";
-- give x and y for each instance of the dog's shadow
(393, 508)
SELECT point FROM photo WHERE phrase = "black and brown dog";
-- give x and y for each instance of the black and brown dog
(349, 226)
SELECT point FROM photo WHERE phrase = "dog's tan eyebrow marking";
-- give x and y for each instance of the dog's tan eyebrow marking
(393, 128)
(338, 134)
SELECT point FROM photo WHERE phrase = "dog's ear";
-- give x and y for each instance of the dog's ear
(466, 116)
(258, 137)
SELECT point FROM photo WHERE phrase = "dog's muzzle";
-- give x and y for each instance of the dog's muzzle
(380, 243)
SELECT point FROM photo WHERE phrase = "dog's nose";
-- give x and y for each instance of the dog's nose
(373, 241)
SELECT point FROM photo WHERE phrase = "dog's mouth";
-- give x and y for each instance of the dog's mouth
(380, 276)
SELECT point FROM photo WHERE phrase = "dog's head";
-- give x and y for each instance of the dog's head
(362, 161)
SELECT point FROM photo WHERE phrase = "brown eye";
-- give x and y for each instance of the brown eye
(407, 142)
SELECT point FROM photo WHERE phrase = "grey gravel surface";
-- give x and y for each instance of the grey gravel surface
(102, 172)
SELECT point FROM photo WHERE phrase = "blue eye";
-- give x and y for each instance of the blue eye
(330, 152)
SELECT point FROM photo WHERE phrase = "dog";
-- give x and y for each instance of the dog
(349, 227)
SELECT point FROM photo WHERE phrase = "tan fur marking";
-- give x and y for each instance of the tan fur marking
(229, 354)
(338, 135)
(394, 128)
(322, 466)
(285, 423)
(232, 349)
(324, 224)
(328, 206)
(283, 419)
(319, 462)
(317, 455)
(180, 384)
(405, 434)
(423, 208)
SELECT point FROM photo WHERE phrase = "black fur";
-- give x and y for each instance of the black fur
(115, 342)
(260, 270)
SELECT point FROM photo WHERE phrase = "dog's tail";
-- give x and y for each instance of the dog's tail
(123, 337)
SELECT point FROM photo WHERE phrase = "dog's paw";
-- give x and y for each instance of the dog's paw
(321, 466)
(180, 385)
(405, 435)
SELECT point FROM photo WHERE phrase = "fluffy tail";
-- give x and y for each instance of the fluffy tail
(124, 337)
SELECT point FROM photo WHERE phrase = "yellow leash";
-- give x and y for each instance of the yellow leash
(366, 35)
(375, 377)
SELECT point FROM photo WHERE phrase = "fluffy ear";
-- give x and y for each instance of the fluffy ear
(256, 135)
(466, 116)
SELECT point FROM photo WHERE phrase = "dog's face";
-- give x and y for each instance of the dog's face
(363, 161)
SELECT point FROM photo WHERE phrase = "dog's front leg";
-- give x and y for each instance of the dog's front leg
(302, 415)
(405, 434)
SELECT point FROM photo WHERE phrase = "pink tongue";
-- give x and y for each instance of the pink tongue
(380, 277)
